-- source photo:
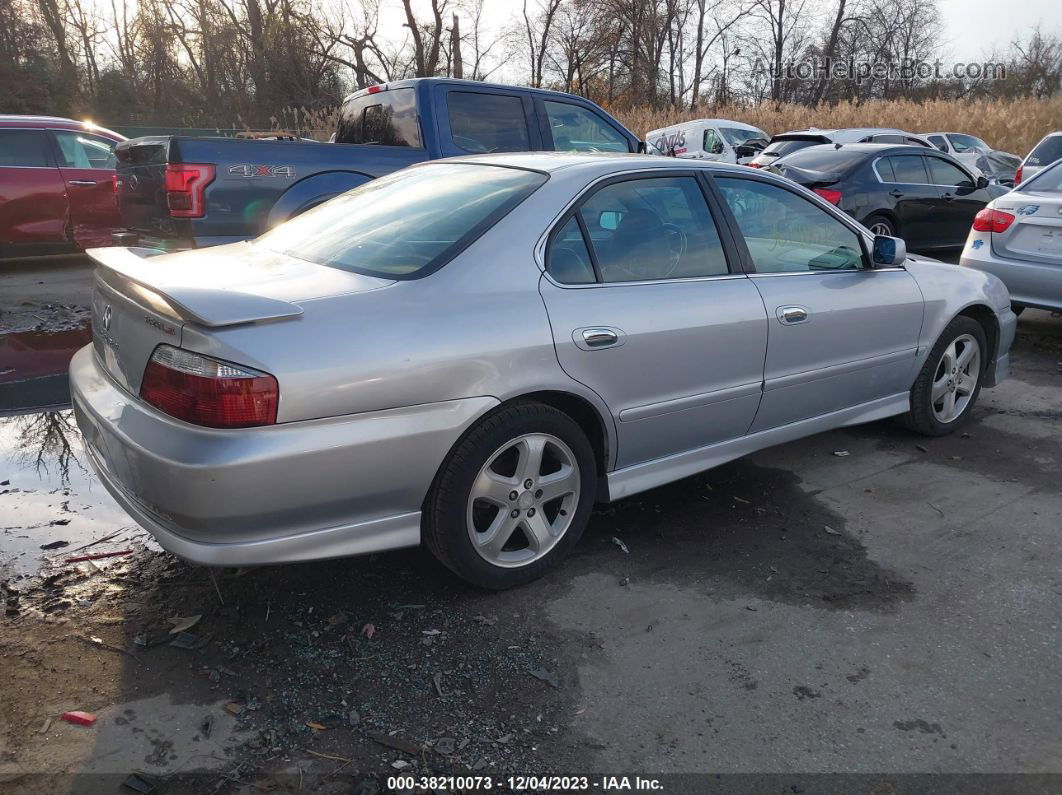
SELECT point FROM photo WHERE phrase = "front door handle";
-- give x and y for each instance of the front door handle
(791, 315)
(599, 337)
(948, 197)
(86, 183)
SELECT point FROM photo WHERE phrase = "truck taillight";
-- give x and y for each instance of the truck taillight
(989, 220)
(185, 184)
(1017, 174)
(208, 392)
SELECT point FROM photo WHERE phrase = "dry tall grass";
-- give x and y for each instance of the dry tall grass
(1013, 126)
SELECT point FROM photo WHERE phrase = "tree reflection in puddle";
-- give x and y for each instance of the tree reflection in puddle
(50, 493)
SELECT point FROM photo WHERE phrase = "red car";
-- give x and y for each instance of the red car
(56, 192)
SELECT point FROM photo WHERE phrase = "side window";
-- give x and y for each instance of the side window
(568, 260)
(24, 148)
(648, 229)
(884, 168)
(713, 144)
(385, 118)
(945, 173)
(82, 150)
(786, 233)
(580, 130)
(483, 123)
(909, 169)
(887, 138)
(939, 142)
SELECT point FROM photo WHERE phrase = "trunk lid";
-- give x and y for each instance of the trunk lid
(143, 299)
(141, 185)
(1036, 233)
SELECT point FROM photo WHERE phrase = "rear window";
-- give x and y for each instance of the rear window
(1046, 152)
(787, 145)
(1050, 179)
(23, 148)
(829, 159)
(407, 224)
(386, 118)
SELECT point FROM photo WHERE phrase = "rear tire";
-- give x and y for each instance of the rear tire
(475, 525)
(880, 225)
(947, 387)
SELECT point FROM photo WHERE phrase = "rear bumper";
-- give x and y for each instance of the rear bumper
(296, 491)
(1034, 284)
(999, 369)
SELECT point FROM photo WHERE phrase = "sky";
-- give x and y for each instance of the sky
(973, 27)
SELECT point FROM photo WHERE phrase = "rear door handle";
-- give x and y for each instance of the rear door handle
(86, 183)
(948, 197)
(896, 194)
(791, 315)
(599, 337)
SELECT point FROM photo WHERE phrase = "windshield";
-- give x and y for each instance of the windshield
(1050, 179)
(787, 145)
(826, 159)
(407, 224)
(737, 137)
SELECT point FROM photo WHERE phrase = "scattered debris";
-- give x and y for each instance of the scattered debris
(490, 622)
(935, 508)
(207, 726)
(545, 676)
(742, 500)
(445, 745)
(55, 545)
(400, 764)
(79, 718)
(316, 726)
(329, 756)
(336, 619)
(830, 531)
(368, 631)
(621, 545)
(44, 728)
(437, 681)
(186, 640)
(921, 448)
(841, 453)
(58, 522)
(395, 742)
(353, 718)
(99, 556)
(431, 632)
(139, 782)
(235, 709)
(183, 623)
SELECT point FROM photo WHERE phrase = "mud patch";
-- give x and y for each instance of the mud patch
(744, 530)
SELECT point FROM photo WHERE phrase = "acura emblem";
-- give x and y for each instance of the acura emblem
(107, 318)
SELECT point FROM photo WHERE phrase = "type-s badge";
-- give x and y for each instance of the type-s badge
(251, 170)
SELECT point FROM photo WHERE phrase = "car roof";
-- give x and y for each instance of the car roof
(714, 122)
(596, 162)
(410, 82)
(835, 130)
(54, 122)
(871, 148)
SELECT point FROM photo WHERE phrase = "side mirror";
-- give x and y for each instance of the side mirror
(889, 252)
(643, 147)
(982, 181)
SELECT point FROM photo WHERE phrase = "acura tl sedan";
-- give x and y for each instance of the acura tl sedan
(470, 353)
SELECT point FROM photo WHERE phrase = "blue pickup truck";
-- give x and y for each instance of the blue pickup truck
(179, 192)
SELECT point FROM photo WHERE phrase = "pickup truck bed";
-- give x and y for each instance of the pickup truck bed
(179, 192)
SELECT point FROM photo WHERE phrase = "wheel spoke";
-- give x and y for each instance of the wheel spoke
(940, 388)
(529, 465)
(559, 484)
(966, 356)
(492, 487)
(500, 531)
(949, 406)
(539, 534)
(965, 384)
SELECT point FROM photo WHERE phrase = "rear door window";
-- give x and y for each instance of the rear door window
(23, 148)
(909, 169)
(386, 118)
(482, 123)
(577, 129)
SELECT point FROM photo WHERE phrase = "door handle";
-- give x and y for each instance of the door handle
(948, 197)
(896, 194)
(85, 183)
(599, 337)
(791, 315)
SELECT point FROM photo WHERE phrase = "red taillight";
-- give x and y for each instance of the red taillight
(756, 165)
(185, 183)
(988, 220)
(1017, 175)
(208, 392)
(375, 89)
(832, 196)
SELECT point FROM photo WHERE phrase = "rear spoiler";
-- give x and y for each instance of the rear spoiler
(203, 305)
(804, 176)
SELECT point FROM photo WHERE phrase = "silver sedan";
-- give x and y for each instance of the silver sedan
(469, 354)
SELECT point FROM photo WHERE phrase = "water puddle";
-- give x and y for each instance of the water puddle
(49, 494)
(35, 354)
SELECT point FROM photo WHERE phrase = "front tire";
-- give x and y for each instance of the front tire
(947, 387)
(512, 498)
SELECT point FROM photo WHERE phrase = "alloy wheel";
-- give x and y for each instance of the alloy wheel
(523, 500)
(955, 378)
